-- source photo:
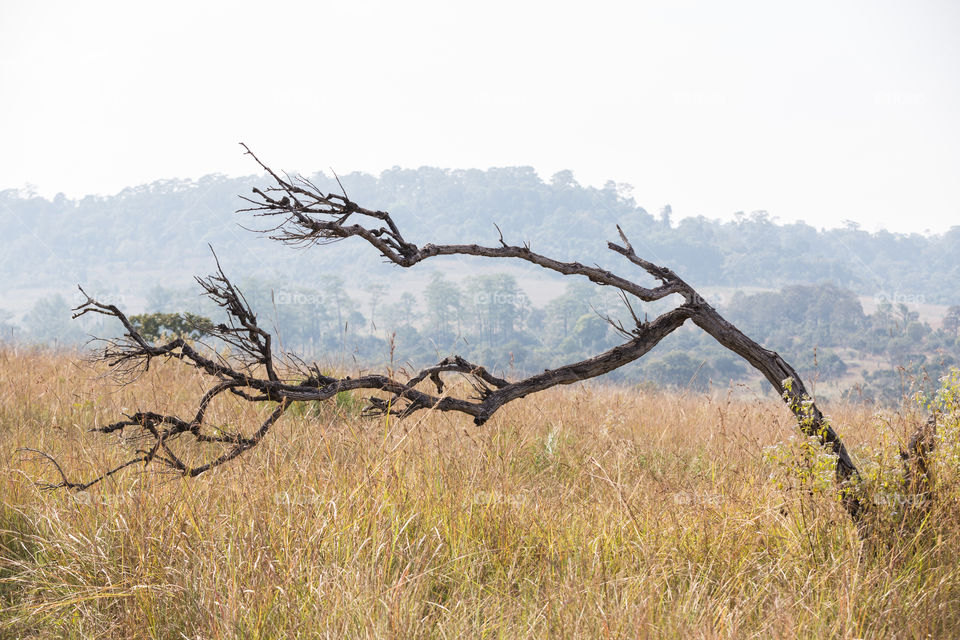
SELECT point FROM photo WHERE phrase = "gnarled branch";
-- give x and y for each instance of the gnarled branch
(301, 214)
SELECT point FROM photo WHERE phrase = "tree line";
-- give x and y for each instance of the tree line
(161, 230)
(823, 328)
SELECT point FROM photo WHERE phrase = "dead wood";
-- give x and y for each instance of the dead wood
(301, 214)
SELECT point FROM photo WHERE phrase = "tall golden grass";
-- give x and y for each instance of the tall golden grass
(593, 512)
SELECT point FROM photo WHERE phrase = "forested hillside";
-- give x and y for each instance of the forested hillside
(165, 227)
(801, 289)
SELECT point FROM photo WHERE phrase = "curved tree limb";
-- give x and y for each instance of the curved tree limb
(303, 215)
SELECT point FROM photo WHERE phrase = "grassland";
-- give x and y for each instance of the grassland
(591, 512)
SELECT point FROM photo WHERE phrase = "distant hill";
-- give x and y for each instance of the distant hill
(160, 232)
(871, 315)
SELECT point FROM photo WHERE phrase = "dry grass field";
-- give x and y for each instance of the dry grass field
(582, 512)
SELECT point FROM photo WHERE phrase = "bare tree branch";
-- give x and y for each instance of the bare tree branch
(301, 214)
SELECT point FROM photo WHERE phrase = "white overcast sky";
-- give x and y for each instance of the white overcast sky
(814, 110)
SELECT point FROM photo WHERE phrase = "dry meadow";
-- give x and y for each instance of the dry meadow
(582, 512)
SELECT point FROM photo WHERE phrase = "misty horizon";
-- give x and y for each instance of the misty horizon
(822, 112)
(624, 189)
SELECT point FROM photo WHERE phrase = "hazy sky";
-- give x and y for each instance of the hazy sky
(821, 111)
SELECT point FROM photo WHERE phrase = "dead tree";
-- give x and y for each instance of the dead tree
(302, 214)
